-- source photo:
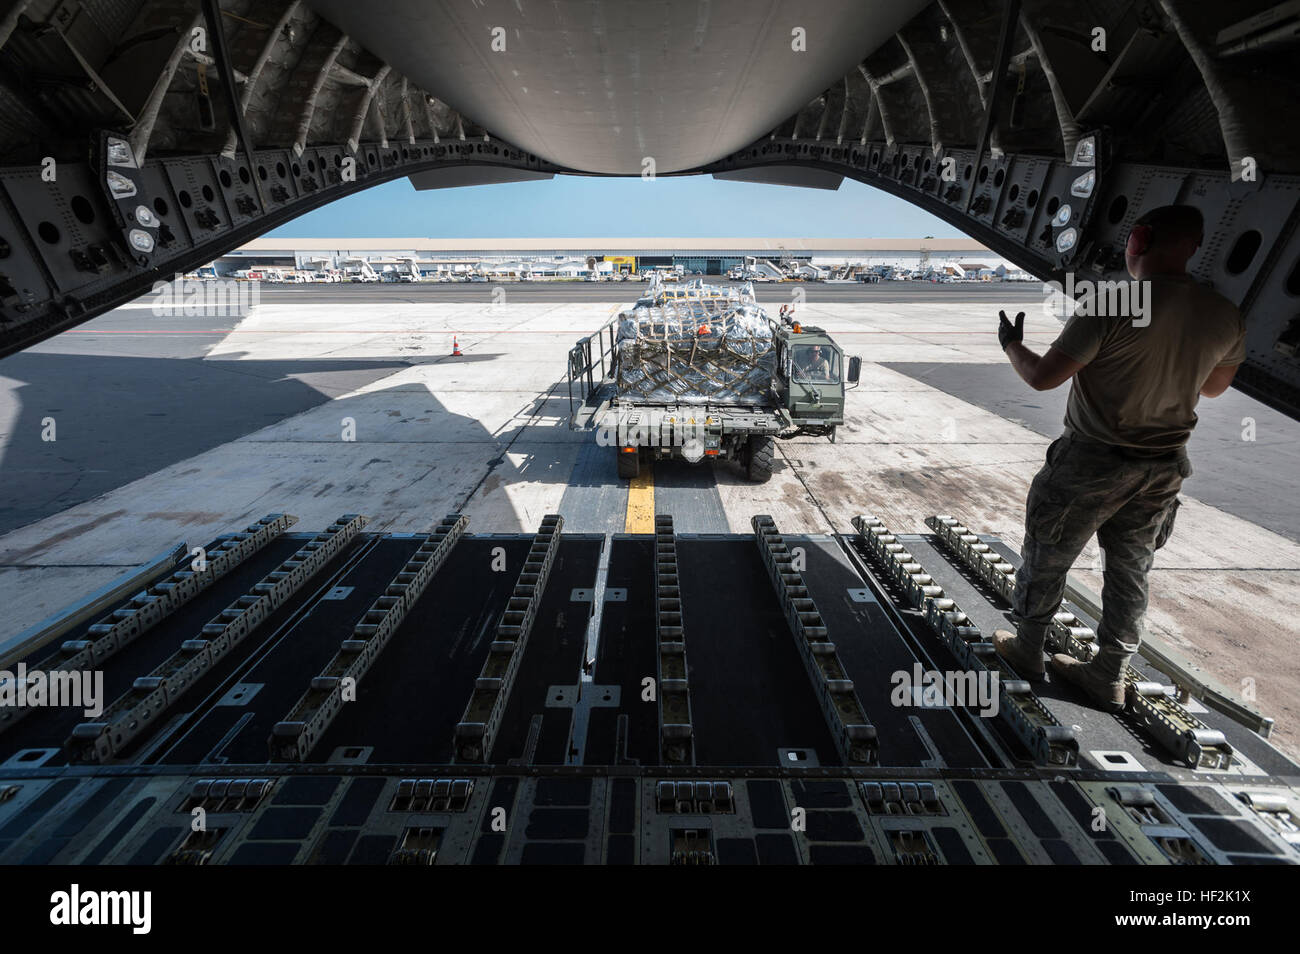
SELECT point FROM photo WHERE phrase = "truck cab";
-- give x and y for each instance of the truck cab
(812, 374)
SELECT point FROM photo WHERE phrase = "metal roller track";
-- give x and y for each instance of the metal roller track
(478, 727)
(160, 748)
(149, 697)
(1033, 723)
(1176, 729)
(151, 606)
(676, 728)
(292, 738)
(854, 735)
(1067, 631)
(373, 797)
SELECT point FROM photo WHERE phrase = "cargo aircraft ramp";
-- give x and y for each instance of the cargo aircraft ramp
(348, 697)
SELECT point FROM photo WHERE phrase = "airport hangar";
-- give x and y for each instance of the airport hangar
(707, 256)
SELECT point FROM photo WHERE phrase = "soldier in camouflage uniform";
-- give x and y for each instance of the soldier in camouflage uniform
(1117, 469)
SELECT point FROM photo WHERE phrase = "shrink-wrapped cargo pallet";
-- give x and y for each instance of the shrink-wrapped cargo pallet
(695, 352)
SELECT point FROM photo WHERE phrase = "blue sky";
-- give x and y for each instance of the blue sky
(582, 206)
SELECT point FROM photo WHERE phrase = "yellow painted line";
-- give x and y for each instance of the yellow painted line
(641, 501)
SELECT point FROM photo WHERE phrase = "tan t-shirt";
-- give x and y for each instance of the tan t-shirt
(1139, 386)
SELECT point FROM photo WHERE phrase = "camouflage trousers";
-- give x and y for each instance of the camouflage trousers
(1129, 503)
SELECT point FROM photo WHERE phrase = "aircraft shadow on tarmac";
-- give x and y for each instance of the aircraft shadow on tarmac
(120, 418)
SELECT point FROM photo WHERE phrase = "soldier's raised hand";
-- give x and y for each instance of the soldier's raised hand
(1007, 332)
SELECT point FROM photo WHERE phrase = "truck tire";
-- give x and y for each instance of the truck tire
(629, 465)
(758, 467)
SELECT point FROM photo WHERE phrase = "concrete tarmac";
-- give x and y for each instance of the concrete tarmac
(174, 428)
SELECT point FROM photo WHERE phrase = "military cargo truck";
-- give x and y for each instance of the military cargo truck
(703, 373)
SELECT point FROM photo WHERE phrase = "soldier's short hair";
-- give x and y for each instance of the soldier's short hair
(1174, 223)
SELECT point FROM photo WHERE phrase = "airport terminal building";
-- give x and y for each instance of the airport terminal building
(578, 257)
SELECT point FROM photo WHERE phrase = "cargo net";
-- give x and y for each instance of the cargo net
(696, 351)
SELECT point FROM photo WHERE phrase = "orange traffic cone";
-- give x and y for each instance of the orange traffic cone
(455, 347)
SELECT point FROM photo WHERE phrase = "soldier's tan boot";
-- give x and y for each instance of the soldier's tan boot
(1104, 690)
(1026, 660)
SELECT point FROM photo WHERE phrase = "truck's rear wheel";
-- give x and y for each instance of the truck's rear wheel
(629, 464)
(758, 467)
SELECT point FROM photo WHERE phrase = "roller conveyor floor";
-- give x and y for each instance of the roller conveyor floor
(562, 668)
